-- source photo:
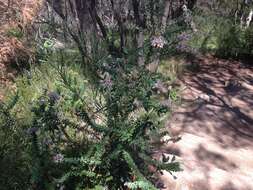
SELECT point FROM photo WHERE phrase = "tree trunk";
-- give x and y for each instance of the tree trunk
(165, 15)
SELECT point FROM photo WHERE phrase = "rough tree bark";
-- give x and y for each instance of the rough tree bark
(166, 13)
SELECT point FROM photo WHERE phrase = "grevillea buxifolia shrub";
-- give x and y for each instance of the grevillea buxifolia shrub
(114, 121)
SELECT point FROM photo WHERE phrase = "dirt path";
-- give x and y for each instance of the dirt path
(216, 125)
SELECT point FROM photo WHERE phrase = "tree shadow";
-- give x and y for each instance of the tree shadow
(214, 158)
(219, 110)
(230, 186)
(220, 81)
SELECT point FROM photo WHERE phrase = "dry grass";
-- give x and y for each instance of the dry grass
(17, 15)
(21, 11)
(172, 67)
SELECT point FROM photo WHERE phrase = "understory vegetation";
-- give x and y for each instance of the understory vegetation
(223, 29)
(89, 104)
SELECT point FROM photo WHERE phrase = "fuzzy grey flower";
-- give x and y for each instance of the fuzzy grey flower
(53, 97)
(184, 36)
(160, 87)
(137, 103)
(32, 130)
(58, 158)
(107, 82)
(158, 41)
(47, 141)
(42, 101)
(28, 74)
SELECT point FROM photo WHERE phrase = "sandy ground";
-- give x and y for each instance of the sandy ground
(215, 122)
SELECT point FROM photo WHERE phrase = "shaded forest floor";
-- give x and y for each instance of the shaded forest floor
(215, 123)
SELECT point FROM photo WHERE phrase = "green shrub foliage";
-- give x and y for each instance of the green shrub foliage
(84, 134)
(117, 121)
(234, 41)
(87, 116)
(87, 134)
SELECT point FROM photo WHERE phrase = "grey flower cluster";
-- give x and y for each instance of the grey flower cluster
(32, 130)
(58, 158)
(160, 87)
(107, 82)
(184, 36)
(53, 97)
(182, 45)
(158, 41)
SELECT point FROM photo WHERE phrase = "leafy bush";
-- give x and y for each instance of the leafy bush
(222, 36)
(234, 41)
(205, 40)
(14, 158)
(117, 144)
(92, 109)
(83, 134)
